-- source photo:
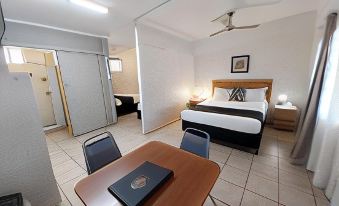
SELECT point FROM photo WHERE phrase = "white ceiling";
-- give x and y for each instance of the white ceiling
(63, 14)
(189, 19)
(192, 18)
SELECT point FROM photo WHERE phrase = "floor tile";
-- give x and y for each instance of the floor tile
(68, 189)
(218, 156)
(319, 193)
(322, 202)
(64, 167)
(63, 197)
(266, 159)
(69, 144)
(80, 159)
(74, 151)
(209, 202)
(59, 159)
(227, 192)
(265, 171)
(297, 182)
(291, 197)
(234, 175)
(240, 163)
(269, 149)
(220, 148)
(241, 154)
(295, 169)
(70, 175)
(262, 186)
(252, 199)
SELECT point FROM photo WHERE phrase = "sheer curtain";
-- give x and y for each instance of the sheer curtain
(302, 147)
(324, 156)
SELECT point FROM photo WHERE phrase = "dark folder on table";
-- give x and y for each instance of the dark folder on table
(140, 184)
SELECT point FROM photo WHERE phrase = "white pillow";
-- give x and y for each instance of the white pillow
(256, 95)
(220, 94)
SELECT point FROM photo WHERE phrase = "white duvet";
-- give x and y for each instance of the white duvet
(236, 123)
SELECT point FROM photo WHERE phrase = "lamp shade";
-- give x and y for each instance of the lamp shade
(282, 99)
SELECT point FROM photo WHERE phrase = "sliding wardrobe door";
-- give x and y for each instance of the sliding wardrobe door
(83, 89)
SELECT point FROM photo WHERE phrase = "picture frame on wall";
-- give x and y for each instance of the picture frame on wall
(240, 64)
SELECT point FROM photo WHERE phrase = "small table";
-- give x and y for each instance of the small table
(285, 117)
(193, 177)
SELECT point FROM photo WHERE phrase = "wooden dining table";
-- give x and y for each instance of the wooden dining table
(193, 178)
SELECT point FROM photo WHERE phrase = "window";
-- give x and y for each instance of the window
(330, 77)
(13, 55)
(115, 64)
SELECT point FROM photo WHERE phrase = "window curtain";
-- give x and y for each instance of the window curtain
(301, 150)
(324, 156)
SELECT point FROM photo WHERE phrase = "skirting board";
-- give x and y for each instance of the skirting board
(162, 126)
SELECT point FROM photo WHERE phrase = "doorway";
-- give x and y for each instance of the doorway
(42, 66)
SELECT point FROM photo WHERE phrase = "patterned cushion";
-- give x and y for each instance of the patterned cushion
(237, 94)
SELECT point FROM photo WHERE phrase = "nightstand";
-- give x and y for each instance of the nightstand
(285, 117)
(193, 102)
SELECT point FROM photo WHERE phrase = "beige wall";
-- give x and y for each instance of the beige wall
(126, 82)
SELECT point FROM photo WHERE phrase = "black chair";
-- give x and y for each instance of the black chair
(99, 151)
(196, 142)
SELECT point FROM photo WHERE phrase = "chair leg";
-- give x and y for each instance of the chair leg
(214, 203)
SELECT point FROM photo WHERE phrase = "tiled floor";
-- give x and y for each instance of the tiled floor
(245, 179)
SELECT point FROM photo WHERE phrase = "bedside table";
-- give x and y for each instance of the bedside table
(285, 117)
(194, 102)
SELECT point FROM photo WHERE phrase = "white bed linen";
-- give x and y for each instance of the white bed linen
(136, 97)
(236, 123)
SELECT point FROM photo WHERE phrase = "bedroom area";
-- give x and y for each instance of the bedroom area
(123, 66)
(240, 95)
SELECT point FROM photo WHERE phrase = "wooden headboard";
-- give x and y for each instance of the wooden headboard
(244, 83)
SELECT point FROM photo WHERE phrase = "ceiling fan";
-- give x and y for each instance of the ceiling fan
(226, 20)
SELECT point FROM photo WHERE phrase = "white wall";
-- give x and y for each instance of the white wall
(126, 82)
(166, 76)
(23, 35)
(25, 164)
(279, 50)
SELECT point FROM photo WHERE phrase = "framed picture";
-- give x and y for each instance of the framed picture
(240, 64)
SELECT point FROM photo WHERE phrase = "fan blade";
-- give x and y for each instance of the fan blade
(224, 16)
(221, 31)
(220, 18)
(247, 27)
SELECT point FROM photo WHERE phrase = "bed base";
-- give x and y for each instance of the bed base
(238, 140)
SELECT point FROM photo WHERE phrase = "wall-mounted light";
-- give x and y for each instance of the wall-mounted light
(90, 5)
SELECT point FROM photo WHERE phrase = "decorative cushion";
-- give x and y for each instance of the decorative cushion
(237, 94)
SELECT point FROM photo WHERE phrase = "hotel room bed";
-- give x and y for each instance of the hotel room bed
(235, 124)
(128, 103)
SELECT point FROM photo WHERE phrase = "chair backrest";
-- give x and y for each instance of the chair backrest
(196, 142)
(100, 151)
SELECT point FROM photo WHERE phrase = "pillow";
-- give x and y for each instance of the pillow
(237, 94)
(220, 94)
(256, 95)
(118, 102)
